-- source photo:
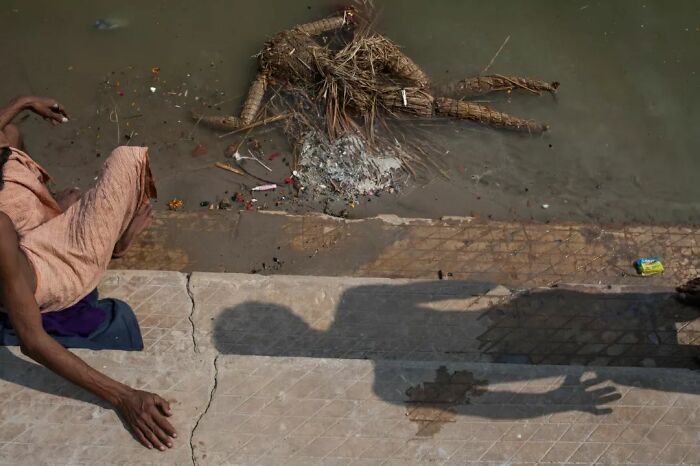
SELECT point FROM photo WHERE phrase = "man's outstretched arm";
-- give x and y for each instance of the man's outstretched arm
(42, 106)
(144, 412)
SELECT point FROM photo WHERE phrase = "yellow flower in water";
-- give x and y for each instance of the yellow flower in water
(175, 204)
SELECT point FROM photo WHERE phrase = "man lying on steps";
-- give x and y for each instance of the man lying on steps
(54, 250)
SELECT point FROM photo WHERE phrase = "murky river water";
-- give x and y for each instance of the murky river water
(625, 139)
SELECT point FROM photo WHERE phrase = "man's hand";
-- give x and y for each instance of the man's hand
(146, 415)
(45, 107)
(144, 412)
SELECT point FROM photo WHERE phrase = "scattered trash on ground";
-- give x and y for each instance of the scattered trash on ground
(647, 266)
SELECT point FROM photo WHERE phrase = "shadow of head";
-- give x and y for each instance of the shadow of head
(458, 322)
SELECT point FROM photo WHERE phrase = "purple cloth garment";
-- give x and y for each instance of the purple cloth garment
(79, 320)
(91, 323)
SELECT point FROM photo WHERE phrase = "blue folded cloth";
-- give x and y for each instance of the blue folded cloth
(91, 323)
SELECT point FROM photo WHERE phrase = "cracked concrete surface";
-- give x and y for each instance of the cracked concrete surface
(47, 420)
(315, 370)
(215, 383)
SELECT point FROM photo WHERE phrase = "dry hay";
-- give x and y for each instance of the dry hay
(340, 100)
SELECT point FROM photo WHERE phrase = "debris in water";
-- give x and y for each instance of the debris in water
(109, 24)
(340, 97)
(227, 167)
(265, 187)
(239, 158)
(175, 204)
(347, 163)
(199, 150)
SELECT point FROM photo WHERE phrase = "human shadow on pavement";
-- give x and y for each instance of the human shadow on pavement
(422, 323)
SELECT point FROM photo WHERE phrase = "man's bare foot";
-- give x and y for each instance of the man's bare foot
(142, 220)
(68, 197)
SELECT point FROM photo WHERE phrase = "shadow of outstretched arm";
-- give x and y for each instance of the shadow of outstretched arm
(18, 371)
(572, 395)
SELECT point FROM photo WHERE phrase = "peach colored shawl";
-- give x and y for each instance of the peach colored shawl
(70, 250)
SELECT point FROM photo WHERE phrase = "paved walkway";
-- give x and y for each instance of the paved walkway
(357, 371)
(515, 254)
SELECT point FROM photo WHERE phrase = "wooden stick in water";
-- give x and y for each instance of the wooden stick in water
(263, 122)
(227, 167)
(498, 52)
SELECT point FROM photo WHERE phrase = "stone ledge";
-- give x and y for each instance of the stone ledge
(516, 254)
(323, 370)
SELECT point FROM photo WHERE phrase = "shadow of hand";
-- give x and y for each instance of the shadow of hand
(582, 395)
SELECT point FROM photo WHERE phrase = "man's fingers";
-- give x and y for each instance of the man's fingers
(160, 433)
(58, 108)
(141, 437)
(58, 117)
(163, 404)
(152, 437)
(164, 424)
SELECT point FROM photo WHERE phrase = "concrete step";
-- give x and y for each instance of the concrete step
(319, 370)
(515, 254)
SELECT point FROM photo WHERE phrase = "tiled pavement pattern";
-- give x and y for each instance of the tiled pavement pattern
(299, 411)
(313, 370)
(305, 376)
(522, 255)
(515, 254)
(46, 420)
(447, 320)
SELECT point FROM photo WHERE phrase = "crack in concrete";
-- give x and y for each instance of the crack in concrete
(191, 316)
(206, 408)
